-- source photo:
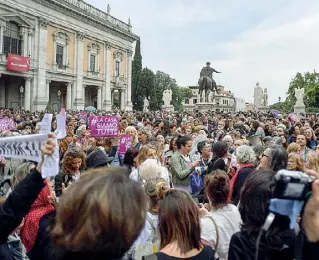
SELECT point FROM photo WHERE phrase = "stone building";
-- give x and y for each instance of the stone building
(223, 101)
(63, 52)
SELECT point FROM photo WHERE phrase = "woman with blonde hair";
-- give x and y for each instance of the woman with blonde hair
(293, 148)
(150, 168)
(295, 162)
(131, 130)
(154, 188)
(313, 161)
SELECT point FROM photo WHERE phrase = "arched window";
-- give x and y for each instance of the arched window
(12, 42)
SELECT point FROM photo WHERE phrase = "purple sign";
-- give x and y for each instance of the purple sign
(82, 115)
(104, 126)
(125, 143)
(7, 124)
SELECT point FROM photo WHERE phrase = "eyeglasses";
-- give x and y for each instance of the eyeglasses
(264, 155)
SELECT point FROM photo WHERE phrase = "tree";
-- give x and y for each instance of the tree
(310, 82)
(146, 88)
(136, 72)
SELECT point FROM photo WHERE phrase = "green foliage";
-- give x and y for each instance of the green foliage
(136, 72)
(147, 84)
(310, 82)
(146, 89)
(49, 107)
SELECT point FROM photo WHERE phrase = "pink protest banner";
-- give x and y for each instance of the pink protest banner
(82, 115)
(125, 143)
(104, 126)
(7, 124)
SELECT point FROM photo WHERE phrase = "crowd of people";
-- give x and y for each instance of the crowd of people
(190, 186)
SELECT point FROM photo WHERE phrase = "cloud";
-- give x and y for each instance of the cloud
(249, 41)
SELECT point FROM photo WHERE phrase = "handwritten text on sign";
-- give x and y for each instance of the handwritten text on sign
(125, 143)
(104, 126)
(7, 124)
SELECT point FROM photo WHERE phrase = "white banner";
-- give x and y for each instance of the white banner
(28, 147)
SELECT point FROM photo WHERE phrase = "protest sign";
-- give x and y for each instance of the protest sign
(82, 115)
(28, 147)
(7, 124)
(125, 143)
(45, 125)
(104, 126)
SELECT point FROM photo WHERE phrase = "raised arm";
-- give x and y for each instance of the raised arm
(19, 202)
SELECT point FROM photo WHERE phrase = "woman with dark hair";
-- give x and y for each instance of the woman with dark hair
(225, 215)
(274, 158)
(278, 242)
(220, 152)
(179, 228)
(284, 142)
(256, 129)
(181, 164)
(129, 159)
(293, 133)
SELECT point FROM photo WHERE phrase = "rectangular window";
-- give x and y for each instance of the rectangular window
(92, 63)
(59, 55)
(117, 68)
(194, 101)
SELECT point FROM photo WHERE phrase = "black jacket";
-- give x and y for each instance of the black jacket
(241, 248)
(18, 204)
(242, 175)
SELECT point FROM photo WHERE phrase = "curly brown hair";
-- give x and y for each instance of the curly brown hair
(71, 154)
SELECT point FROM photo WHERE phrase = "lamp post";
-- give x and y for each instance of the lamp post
(21, 96)
(279, 99)
(59, 98)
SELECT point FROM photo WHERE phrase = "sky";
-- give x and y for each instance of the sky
(248, 41)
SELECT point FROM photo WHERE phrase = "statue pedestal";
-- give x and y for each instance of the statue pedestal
(263, 108)
(203, 107)
(169, 108)
(299, 109)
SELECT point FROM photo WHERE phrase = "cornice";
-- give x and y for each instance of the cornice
(69, 9)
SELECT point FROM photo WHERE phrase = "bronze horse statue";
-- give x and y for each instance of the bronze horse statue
(206, 85)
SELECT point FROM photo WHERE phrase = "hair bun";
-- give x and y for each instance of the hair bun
(161, 189)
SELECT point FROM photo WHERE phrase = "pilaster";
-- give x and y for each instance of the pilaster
(42, 94)
(107, 104)
(129, 106)
(27, 93)
(78, 98)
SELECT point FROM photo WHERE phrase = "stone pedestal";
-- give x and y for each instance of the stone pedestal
(299, 109)
(203, 107)
(169, 108)
(263, 108)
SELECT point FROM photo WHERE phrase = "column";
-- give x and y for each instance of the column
(69, 96)
(122, 97)
(42, 93)
(2, 24)
(30, 34)
(129, 106)
(27, 94)
(99, 98)
(2, 92)
(24, 35)
(107, 103)
(79, 98)
(47, 89)
(84, 97)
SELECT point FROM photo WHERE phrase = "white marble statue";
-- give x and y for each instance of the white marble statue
(299, 93)
(146, 105)
(167, 97)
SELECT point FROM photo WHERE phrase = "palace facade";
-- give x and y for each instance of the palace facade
(65, 53)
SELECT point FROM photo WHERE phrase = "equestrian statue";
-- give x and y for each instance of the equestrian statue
(206, 82)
